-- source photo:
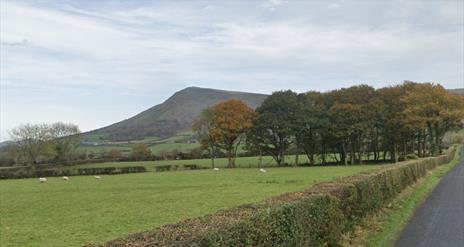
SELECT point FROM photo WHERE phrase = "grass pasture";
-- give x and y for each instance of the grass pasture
(180, 142)
(240, 162)
(83, 210)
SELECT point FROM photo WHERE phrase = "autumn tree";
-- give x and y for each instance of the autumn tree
(436, 108)
(140, 151)
(231, 119)
(115, 154)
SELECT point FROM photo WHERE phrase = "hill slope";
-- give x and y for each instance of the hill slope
(172, 116)
(458, 91)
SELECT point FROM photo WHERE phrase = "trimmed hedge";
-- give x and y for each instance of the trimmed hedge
(31, 172)
(163, 168)
(190, 167)
(318, 216)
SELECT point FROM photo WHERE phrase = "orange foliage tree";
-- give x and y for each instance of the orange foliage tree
(231, 120)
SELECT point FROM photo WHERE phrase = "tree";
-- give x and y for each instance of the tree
(66, 138)
(33, 141)
(438, 109)
(231, 119)
(350, 122)
(310, 122)
(36, 142)
(394, 121)
(140, 151)
(115, 154)
(253, 144)
(277, 123)
(202, 126)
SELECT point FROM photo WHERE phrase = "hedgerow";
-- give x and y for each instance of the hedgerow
(318, 216)
(31, 172)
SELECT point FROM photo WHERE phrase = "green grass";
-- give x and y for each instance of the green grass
(157, 149)
(241, 162)
(393, 222)
(95, 137)
(83, 209)
(156, 145)
(124, 148)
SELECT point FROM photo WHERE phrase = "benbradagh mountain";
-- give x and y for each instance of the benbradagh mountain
(174, 115)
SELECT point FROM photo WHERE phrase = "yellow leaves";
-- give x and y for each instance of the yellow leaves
(231, 118)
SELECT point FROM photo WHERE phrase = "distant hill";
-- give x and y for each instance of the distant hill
(459, 91)
(174, 115)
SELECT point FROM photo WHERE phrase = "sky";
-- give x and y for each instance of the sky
(94, 63)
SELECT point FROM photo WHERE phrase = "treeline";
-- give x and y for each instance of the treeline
(38, 143)
(349, 124)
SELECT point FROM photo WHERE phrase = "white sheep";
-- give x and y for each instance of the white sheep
(216, 169)
(43, 180)
(97, 177)
(262, 170)
(65, 178)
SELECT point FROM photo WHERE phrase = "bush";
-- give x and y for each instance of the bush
(190, 167)
(318, 216)
(162, 168)
(32, 172)
(412, 157)
(111, 170)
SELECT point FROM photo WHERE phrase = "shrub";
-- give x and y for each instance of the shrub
(412, 157)
(162, 168)
(32, 172)
(190, 167)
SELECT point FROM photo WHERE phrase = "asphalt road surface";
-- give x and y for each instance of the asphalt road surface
(440, 220)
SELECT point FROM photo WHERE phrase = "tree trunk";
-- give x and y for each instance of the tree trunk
(323, 154)
(393, 154)
(345, 161)
(352, 154)
(212, 161)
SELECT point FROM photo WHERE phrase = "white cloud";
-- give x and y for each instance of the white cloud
(334, 6)
(272, 4)
(130, 52)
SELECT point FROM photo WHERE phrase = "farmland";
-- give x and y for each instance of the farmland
(182, 142)
(84, 210)
(243, 162)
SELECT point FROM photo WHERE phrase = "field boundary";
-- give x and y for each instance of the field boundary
(317, 216)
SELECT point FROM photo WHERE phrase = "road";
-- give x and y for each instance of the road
(439, 221)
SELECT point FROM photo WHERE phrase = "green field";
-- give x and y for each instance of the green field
(241, 162)
(180, 142)
(82, 210)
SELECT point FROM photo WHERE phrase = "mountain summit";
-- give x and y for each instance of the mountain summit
(174, 115)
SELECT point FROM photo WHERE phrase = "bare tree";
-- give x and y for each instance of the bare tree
(44, 141)
(66, 138)
(202, 127)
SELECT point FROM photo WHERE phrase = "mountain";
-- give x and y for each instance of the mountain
(458, 91)
(174, 115)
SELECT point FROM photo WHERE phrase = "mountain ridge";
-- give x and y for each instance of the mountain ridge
(174, 115)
